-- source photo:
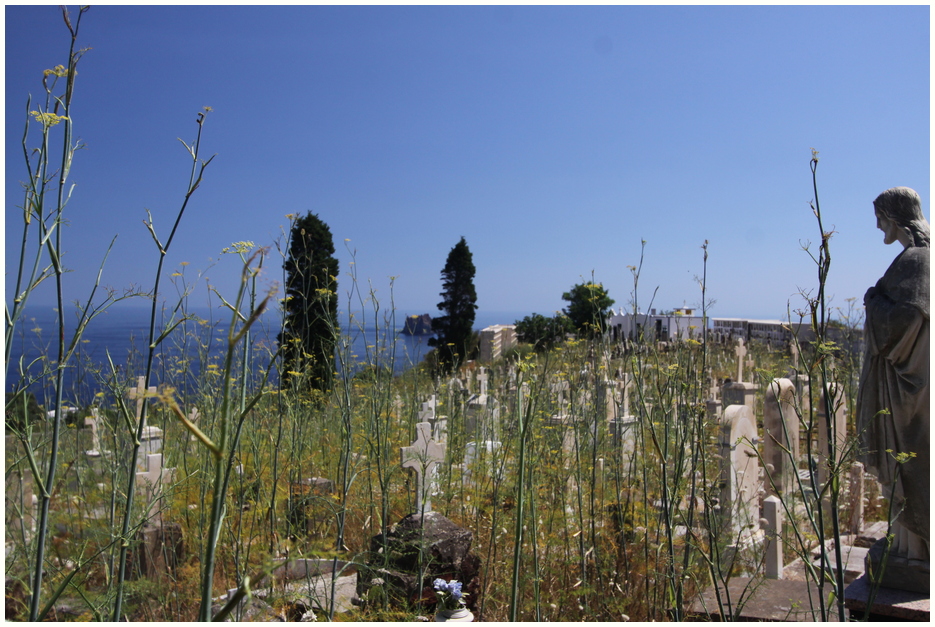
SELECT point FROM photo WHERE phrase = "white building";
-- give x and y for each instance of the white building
(776, 332)
(496, 340)
(685, 323)
(680, 324)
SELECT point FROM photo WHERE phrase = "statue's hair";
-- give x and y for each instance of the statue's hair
(903, 206)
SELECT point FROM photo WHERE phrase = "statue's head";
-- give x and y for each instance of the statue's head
(903, 206)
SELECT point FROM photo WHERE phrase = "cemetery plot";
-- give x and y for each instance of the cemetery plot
(614, 465)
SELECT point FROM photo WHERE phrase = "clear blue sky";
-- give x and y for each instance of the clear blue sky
(554, 139)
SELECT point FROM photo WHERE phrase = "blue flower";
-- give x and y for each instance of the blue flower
(450, 594)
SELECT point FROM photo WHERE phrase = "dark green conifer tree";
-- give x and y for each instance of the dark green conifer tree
(543, 333)
(455, 328)
(311, 306)
(588, 306)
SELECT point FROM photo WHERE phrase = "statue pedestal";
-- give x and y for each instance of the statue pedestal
(888, 604)
(900, 573)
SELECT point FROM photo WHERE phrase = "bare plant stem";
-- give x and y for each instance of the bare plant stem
(198, 168)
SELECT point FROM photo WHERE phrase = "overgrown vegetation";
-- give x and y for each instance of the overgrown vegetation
(604, 499)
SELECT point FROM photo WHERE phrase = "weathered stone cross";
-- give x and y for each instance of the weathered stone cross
(140, 397)
(91, 421)
(714, 388)
(741, 352)
(482, 381)
(627, 384)
(424, 454)
(193, 415)
(153, 480)
(153, 472)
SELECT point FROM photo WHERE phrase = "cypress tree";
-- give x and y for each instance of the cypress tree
(455, 328)
(311, 305)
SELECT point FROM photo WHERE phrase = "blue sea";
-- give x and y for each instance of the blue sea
(122, 331)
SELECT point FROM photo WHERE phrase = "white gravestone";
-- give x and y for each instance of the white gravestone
(91, 422)
(423, 456)
(487, 452)
(739, 392)
(839, 428)
(151, 440)
(140, 396)
(772, 514)
(780, 437)
(740, 482)
(152, 483)
(741, 352)
(482, 381)
(856, 522)
(22, 505)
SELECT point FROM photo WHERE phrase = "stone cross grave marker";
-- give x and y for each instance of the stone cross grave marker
(140, 396)
(482, 381)
(781, 437)
(153, 473)
(741, 352)
(712, 393)
(609, 389)
(91, 421)
(627, 384)
(427, 413)
(193, 415)
(152, 480)
(559, 388)
(151, 440)
(739, 498)
(423, 456)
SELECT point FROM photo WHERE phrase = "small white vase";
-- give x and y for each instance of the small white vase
(460, 615)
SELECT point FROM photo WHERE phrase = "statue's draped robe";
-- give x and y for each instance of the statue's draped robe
(895, 377)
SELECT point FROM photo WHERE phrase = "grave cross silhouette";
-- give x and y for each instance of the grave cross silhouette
(714, 387)
(152, 482)
(139, 396)
(482, 381)
(741, 352)
(424, 454)
(627, 384)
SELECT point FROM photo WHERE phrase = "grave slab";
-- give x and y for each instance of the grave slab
(309, 580)
(852, 559)
(761, 600)
(888, 603)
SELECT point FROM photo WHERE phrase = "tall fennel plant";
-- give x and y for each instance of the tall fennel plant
(233, 412)
(195, 178)
(819, 312)
(46, 194)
